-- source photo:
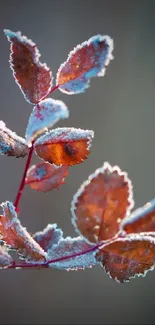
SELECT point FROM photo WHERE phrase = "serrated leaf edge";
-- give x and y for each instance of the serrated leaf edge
(82, 188)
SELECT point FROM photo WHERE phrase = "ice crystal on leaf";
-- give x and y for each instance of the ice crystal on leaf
(11, 144)
(5, 257)
(44, 116)
(49, 237)
(33, 77)
(87, 60)
(67, 254)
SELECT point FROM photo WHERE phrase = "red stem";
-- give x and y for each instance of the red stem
(22, 184)
(51, 91)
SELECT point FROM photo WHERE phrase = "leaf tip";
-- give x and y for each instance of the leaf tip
(10, 34)
(7, 32)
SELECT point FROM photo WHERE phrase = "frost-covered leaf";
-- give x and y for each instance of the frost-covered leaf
(125, 258)
(17, 237)
(11, 144)
(87, 60)
(49, 237)
(101, 203)
(5, 257)
(33, 77)
(45, 115)
(67, 254)
(140, 220)
(64, 146)
(46, 177)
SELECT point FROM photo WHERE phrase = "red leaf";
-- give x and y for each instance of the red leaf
(45, 115)
(33, 77)
(141, 220)
(5, 257)
(64, 146)
(101, 203)
(125, 258)
(45, 177)
(17, 237)
(49, 237)
(67, 254)
(87, 60)
(11, 144)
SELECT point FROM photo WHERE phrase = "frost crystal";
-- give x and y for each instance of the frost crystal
(11, 144)
(45, 115)
(66, 255)
(49, 237)
(64, 135)
(5, 257)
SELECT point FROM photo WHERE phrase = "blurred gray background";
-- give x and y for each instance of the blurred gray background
(120, 109)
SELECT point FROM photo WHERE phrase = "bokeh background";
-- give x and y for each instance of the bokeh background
(120, 109)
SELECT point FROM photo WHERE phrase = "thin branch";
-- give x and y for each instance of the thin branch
(22, 184)
(51, 91)
(59, 259)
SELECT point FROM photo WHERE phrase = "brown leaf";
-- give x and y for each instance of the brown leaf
(125, 258)
(33, 77)
(140, 220)
(46, 177)
(11, 144)
(17, 237)
(101, 203)
(64, 146)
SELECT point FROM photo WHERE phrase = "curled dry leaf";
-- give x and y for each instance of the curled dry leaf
(67, 254)
(125, 258)
(11, 144)
(5, 257)
(140, 220)
(49, 237)
(33, 77)
(101, 203)
(17, 237)
(64, 146)
(46, 177)
(87, 60)
(45, 115)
